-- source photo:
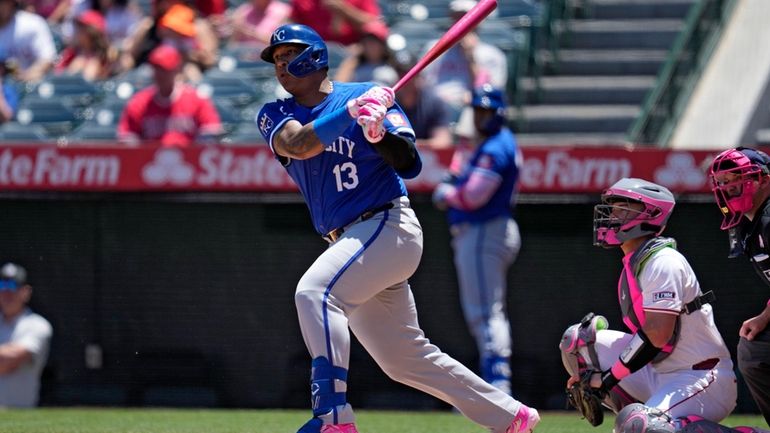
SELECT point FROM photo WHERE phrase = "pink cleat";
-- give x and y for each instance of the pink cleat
(525, 421)
(339, 428)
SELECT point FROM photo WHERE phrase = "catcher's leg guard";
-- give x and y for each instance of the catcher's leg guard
(706, 426)
(638, 418)
(581, 335)
(578, 340)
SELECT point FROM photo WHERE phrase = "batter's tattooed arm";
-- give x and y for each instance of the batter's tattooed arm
(297, 141)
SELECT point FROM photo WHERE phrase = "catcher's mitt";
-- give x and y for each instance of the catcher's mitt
(587, 400)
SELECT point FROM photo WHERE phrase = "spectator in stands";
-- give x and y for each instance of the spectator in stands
(62, 19)
(177, 28)
(214, 11)
(197, 41)
(44, 8)
(340, 21)
(254, 21)
(168, 112)
(121, 18)
(89, 53)
(9, 97)
(427, 113)
(25, 339)
(466, 65)
(27, 40)
(370, 59)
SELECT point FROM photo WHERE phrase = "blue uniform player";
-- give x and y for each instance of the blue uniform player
(485, 237)
(348, 147)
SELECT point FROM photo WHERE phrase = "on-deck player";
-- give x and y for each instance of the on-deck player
(347, 146)
(485, 237)
(672, 371)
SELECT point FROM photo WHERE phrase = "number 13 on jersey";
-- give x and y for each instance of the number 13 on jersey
(346, 176)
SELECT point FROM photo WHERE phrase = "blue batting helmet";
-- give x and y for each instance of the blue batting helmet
(490, 98)
(313, 58)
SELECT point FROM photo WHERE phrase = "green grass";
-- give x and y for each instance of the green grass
(92, 420)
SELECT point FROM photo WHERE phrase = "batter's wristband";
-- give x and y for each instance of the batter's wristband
(328, 128)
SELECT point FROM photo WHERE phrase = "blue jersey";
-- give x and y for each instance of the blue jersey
(500, 154)
(349, 177)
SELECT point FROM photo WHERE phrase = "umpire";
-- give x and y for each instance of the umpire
(740, 180)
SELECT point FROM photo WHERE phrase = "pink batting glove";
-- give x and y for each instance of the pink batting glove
(384, 95)
(371, 117)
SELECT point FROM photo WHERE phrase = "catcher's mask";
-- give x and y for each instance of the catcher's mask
(631, 208)
(314, 56)
(735, 175)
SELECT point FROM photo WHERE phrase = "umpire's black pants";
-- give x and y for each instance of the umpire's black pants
(754, 364)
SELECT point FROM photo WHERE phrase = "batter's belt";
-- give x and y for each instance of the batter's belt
(335, 234)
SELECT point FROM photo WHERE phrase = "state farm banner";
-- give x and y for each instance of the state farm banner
(220, 168)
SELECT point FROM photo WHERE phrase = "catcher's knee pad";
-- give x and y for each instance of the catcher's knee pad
(638, 418)
(581, 335)
(325, 397)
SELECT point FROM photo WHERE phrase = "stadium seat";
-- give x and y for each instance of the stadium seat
(72, 90)
(108, 111)
(92, 131)
(513, 8)
(237, 92)
(129, 82)
(53, 114)
(23, 134)
(247, 134)
(227, 115)
(245, 59)
(416, 34)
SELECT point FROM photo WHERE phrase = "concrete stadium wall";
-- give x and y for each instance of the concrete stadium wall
(187, 302)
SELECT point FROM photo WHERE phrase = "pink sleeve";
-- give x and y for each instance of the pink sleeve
(476, 192)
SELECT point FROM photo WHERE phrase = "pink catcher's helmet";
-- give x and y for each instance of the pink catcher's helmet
(616, 221)
(732, 174)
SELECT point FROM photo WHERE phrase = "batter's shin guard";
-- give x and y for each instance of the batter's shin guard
(496, 370)
(323, 392)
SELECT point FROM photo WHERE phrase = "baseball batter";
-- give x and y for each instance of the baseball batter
(674, 359)
(348, 147)
(485, 237)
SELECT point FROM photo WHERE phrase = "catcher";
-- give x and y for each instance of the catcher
(672, 371)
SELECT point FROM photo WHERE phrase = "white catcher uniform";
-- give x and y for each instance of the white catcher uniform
(696, 377)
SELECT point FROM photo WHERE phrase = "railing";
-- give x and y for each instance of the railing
(690, 53)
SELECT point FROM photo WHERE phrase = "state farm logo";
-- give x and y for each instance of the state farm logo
(215, 167)
(50, 168)
(561, 171)
(168, 166)
(680, 172)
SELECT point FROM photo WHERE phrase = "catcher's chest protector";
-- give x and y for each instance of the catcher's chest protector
(630, 293)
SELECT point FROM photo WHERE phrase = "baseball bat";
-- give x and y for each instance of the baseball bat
(468, 22)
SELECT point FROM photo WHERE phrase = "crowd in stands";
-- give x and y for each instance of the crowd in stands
(73, 66)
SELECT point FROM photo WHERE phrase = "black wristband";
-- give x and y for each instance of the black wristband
(608, 381)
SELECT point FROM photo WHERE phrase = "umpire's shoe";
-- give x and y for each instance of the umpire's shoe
(525, 421)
